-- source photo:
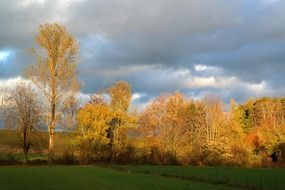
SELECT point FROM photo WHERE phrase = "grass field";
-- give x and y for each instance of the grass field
(247, 178)
(137, 177)
(90, 177)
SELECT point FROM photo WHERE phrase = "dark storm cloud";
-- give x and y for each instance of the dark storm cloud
(153, 31)
(232, 48)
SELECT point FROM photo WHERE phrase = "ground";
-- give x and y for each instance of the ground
(123, 178)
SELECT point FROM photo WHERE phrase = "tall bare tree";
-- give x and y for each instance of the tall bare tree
(23, 112)
(68, 117)
(166, 118)
(213, 115)
(3, 98)
(55, 72)
(3, 103)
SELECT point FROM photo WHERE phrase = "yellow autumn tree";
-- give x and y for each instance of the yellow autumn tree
(54, 72)
(122, 119)
(233, 134)
(91, 132)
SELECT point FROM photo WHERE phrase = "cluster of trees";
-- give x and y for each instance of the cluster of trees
(173, 129)
(177, 129)
(54, 75)
(102, 128)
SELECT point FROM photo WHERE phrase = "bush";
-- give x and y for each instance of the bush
(240, 156)
(10, 158)
(67, 157)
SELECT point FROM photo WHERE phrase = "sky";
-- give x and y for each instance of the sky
(234, 49)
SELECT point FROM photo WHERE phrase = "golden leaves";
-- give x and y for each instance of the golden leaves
(55, 71)
(93, 123)
(120, 95)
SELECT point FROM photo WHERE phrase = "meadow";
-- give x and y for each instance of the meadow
(245, 178)
(89, 177)
(138, 177)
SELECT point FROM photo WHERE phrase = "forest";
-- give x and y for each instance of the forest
(44, 118)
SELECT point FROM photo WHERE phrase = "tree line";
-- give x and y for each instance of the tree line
(172, 129)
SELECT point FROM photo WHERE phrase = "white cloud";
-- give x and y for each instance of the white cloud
(136, 96)
(142, 106)
(257, 87)
(210, 82)
(182, 72)
(26, 3)
(203, 82)
(4, 55)
(11, 82)
(83, 98)
(203, 68)
(200, 67)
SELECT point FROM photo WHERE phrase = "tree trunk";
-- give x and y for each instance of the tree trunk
(50, 147)
(51, 134)
(25, 146)
(110, 159)
(25, 157)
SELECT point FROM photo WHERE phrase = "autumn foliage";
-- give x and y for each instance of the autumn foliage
(172, 129)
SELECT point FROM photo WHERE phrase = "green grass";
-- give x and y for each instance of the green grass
(249, 178)
(17, 158)
(90, 177)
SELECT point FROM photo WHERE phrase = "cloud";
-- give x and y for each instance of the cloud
(11, 82)
(136, 96)
(232, 48)
(4, 55)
